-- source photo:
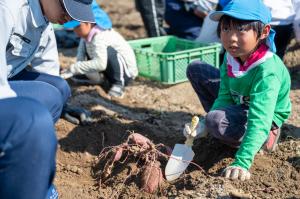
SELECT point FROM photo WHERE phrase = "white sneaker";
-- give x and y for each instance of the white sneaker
(116, 91)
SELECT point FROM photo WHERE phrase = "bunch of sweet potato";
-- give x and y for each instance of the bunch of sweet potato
(146, 152)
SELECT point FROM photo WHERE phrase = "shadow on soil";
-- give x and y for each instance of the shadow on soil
(109, 131)
(112, 128)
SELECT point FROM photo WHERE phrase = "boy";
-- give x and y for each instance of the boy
(250, 103)
(27, 135)
(102, 51)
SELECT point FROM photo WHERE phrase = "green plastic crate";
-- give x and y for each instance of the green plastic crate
(166, 58)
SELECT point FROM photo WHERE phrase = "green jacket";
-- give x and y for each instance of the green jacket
(266, 90)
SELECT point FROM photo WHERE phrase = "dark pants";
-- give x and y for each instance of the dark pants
(49, 90)
(27, 149)
(205, 80)
(182, 22)
(282, 38)
(227, 124)
(116, 71)
(152, 12)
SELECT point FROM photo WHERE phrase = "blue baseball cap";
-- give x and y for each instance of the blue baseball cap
(248, 10)
(79, 10)
(223, 3)
(101, 18)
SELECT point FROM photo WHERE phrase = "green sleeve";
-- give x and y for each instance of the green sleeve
(224, 97)
(263, 98)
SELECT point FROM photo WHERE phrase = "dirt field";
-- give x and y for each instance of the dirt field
(159, 112)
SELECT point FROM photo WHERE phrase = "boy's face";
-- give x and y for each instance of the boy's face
(55, 11)
(83, 29)
(240, 41)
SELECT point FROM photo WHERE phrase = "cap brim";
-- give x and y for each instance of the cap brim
(71, 24)
(79, 11)
(216, 16)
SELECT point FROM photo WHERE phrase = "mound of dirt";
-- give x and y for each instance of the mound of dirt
(159, 112)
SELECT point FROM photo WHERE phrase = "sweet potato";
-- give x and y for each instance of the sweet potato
(136, 138)
(151, 177)
(118, 154)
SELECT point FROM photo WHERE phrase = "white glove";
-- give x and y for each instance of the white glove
(236, 172)
(199, 132)
(66, 74)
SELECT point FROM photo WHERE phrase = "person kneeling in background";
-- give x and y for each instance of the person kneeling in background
(102, 53)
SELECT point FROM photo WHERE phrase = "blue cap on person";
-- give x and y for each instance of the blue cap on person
(80, 10)
(248, 10)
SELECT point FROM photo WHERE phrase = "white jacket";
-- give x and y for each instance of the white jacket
(26, 38)
(285, 12)
(97, 52)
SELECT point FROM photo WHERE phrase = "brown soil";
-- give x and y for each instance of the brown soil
(159, 112)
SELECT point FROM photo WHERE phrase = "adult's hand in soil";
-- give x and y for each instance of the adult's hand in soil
(236, 173)
(76, 115)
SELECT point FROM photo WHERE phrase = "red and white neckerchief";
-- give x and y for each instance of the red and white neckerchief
(236, 69)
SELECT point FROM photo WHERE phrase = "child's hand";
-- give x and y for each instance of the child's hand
(199, 132)
(236, 172)
(66, 74)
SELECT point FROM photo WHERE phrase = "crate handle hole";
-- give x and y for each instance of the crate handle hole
(146, 46)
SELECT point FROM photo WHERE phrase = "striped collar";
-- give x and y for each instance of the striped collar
(236, 69)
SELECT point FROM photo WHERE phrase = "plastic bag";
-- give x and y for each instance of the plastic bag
(208, 31)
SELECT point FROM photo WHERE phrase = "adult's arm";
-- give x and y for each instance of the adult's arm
(46, 59)
(6, 23)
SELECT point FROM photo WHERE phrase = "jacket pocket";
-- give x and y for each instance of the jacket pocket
(20, 46)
